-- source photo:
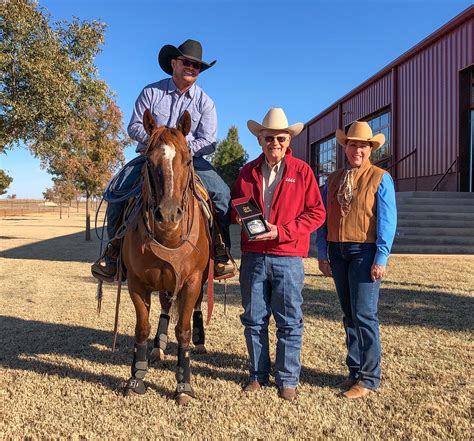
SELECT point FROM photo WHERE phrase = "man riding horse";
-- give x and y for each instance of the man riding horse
(167, 100)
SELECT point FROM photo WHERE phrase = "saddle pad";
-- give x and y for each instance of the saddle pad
(201, 191)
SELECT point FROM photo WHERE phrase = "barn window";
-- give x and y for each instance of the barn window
(325, 155)
(381, 124)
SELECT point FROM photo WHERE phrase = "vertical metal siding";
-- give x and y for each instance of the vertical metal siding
(298, 145)
(428, 85)
(325, 127)
(374, 97)
(427, 103)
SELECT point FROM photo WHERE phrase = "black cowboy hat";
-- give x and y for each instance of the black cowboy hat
(191, 49)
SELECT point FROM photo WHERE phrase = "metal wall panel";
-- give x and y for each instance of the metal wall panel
(428, 87)
(298, 145)
(324, 127)
(369, 100)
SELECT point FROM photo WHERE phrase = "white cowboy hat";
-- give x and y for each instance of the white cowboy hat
(275, 119)
(360, 131)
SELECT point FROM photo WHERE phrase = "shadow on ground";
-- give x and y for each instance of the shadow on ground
(69, 248)
(397, 306)
(74, 248)
(403, 307)
(25, 344)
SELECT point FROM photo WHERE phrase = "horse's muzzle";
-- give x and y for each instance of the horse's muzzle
(169, 212)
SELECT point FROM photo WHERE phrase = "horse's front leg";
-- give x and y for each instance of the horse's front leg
(187, 299)
(141, 301)
(161, 338)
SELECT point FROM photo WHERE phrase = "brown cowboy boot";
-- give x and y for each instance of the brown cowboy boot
(224, 266)
(105, 268)
(224, 269)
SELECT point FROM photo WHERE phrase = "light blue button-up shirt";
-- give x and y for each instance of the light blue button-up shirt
(167, 104)
(386, 222)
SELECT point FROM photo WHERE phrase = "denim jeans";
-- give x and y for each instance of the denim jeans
(358, 295)
(218, 191)
(273, 284)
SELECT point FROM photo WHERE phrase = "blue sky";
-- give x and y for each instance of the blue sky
(299, 55)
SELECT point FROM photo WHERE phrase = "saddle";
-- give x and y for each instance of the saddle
(133, 210)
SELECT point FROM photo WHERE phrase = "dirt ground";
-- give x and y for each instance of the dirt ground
(60, 379)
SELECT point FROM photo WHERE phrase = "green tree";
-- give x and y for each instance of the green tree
(62, 192)
(229, 157)
(43, 68)
(90, 150)
(49, 195)
(5, 181)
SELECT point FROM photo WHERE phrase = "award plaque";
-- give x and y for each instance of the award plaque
(253, 222)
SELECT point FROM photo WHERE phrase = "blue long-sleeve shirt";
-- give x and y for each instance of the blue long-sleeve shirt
(167, 104)
(386, 222)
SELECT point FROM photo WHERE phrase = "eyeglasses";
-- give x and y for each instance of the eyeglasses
(280, 139)
(188, 63)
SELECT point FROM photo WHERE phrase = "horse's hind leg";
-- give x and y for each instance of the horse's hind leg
(199, 336)
(140, 355)
(161, 338)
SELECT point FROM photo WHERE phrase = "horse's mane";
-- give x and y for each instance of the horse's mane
(167, 135)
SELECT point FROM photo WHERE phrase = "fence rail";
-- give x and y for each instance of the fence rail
(24, 207)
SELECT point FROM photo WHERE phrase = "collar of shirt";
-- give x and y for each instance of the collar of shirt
(276, 167)
(172, 88)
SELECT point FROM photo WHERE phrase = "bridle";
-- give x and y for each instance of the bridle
(153, 192)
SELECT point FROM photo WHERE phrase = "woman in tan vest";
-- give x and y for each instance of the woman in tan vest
(353, 248)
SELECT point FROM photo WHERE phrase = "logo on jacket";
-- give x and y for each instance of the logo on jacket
(290, 180)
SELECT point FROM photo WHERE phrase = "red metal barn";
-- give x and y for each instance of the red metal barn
(424, 104)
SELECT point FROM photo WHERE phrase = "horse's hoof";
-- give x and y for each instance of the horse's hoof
(129, 392)
(183, 399)
(134, 386)
(199, 349)
(157, 354)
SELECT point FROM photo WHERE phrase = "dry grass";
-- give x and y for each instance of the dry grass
(59, 378)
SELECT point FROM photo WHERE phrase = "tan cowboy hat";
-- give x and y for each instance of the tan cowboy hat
(275, 119)
(360, 131)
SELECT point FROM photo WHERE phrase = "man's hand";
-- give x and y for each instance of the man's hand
(271, 235)
(324, 267)
(377, 271)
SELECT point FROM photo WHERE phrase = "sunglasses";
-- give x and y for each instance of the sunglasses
(188, 63)
(280, 139)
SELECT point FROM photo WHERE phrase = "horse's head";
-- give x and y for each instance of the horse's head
(169, 162)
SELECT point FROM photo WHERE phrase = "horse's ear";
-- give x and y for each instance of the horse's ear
(184, 125)
(148, 122)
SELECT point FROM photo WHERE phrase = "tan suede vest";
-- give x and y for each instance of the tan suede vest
(360, 225)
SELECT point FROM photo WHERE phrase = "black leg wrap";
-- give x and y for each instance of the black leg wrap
(199, 336)
(140, 361)
(183, 372)
(161, 337)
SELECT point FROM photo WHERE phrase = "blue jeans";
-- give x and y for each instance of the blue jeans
(358, 295)
(273, 284)
(218, 191)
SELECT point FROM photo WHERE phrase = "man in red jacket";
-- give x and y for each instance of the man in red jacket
(272, 273)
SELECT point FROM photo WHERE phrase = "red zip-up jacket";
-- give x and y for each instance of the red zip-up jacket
(297, 208)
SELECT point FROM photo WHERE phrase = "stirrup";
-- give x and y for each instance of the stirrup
(98, 272)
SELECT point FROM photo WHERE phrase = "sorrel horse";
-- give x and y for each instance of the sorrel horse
(169, 248)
